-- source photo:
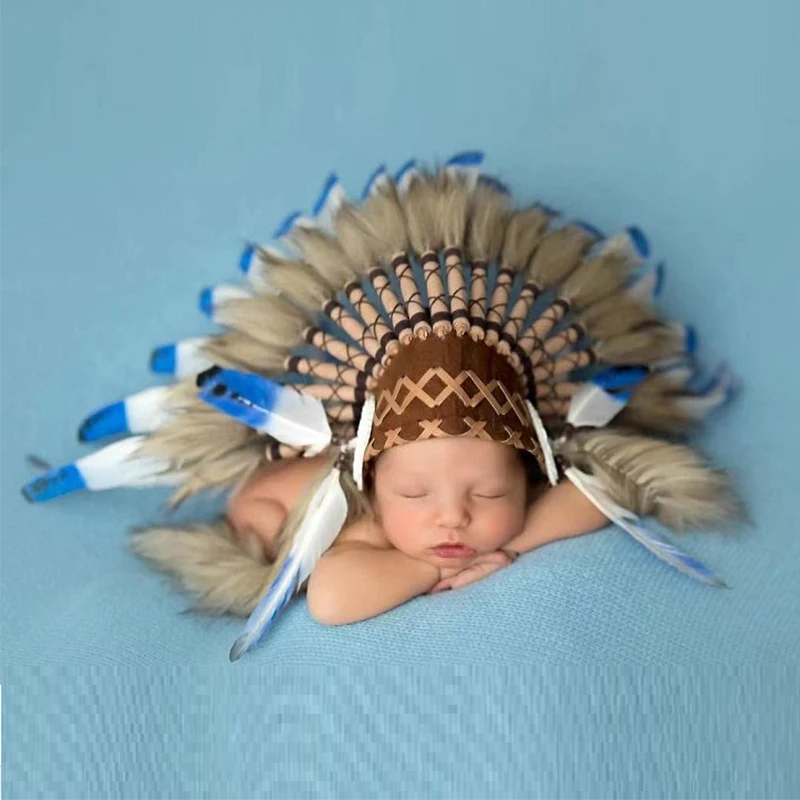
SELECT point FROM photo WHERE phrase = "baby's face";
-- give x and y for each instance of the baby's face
(450, 491)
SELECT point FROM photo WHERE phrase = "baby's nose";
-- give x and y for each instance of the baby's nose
(453, 515)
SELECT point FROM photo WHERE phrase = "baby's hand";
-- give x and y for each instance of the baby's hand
(477, 569)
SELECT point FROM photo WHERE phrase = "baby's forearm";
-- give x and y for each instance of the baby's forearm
(357, 583)
(561, 512)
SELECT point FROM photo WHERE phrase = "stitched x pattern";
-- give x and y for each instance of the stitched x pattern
(390, 400)
(432, 429)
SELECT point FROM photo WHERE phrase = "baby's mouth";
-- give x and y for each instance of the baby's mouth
(446, 550)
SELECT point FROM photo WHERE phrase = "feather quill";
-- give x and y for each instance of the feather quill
(628, 521)
(291, 417)
(321, 524)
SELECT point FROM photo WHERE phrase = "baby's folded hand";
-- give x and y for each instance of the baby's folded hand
(477, 569)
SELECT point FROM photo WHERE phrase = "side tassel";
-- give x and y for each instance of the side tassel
(324, 519)
(544, 442)
(362, 440)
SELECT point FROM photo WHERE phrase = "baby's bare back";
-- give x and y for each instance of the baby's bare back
(260, 507)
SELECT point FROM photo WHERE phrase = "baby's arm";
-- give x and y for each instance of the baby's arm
(356, 580)
(561, 512)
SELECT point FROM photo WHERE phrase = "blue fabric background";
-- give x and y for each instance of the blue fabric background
(142, 144)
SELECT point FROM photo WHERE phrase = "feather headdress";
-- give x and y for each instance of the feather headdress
(432, 307)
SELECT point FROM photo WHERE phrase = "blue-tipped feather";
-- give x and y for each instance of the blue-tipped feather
(291, 417)
(379, 173)
(110, 420)
(639, 241)
(407, 167)
(469, 158)
(247, 258)
(286, 225)
(116, 465)
(330, 182)
(206, 301)
(180, 358)
(596, 232)
(163, 359)
(691, 339)
(494, 183)
(54, 483)
(323, 520)
(629, 522)
(620, 377)
(661, 270)
(142, 412)
(213, 297)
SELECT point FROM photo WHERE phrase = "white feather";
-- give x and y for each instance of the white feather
(592, 406)
(120, 464)
(299, 420)
(324, 519)
(148, 410)
(593, 490)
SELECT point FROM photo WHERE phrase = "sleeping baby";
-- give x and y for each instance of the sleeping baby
(444, 512)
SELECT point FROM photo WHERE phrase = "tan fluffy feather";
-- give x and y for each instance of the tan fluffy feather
(200, 432)
(595, 279)
(228, 471)
(298, 282)
(653, 407)
(613, 316)
(421, 206)
(236, 350)
(323, 253)
(559, 253)
(643, 346)
(361, 245)
(490, 211)
(669, 482)
(453, 211)
(266, 318)
(383, 213)
(209, 563)
(525, 231)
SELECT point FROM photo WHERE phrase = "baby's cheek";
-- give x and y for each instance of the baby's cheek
(503, 524)
(403, 528)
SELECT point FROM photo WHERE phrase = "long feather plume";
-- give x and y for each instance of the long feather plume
(628, 521)
(654, 478)
(321, 524)
(117, 465)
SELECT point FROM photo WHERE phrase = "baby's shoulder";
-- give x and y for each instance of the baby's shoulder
(364, 531)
